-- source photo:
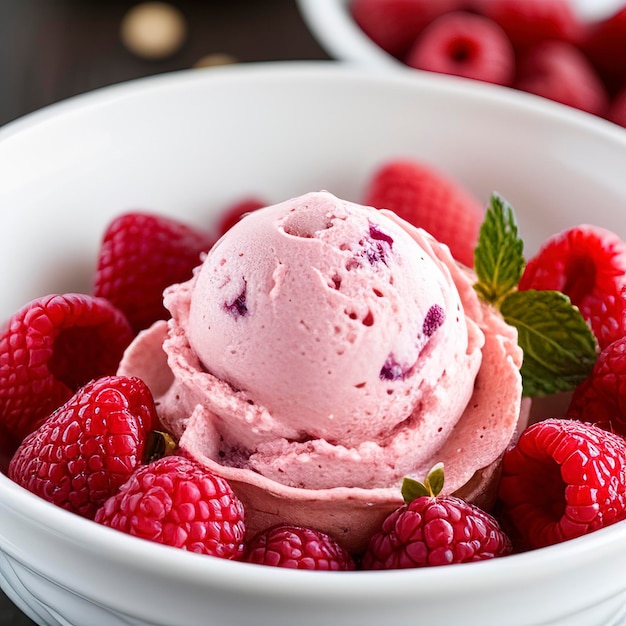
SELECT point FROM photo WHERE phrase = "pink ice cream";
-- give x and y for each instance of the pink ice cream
(322, 352)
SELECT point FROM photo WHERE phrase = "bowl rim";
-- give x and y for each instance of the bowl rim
(545, 562)
(189, 568)
(277, 72)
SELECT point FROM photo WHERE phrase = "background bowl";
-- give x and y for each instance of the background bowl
(331, 23)
(186, 145)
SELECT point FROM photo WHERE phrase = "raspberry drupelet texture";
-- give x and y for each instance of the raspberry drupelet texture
(296, 547)
(176, 502)
(49, 349)
(435, 530)
(563, 479)
(88, 447)
(588, 264)
(142, 254)
(601, 398)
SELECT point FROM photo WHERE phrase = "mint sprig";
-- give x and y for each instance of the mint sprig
(559, 347)
(499, 256)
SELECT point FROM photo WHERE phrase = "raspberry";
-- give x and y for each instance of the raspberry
(529, 22)
(435, 530)
(605, 46)
(233, 213)
(50, 348)
(559, 71)
(141, 255)
(617, 109)
(601, 398)
(563, 479)
(465, 45)
(297, 548)
(429, 199)
(89, 446)
(394, 24)
(177, 502)
(588, 264)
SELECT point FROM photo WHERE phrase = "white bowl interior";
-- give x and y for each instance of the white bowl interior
(186, 145)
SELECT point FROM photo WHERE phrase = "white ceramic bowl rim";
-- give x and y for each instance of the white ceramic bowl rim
(270, 73)
(498, 573)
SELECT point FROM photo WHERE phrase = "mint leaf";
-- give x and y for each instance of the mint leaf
(498, 258)
(559, 347)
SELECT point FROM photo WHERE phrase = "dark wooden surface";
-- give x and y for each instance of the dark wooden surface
(53, 49)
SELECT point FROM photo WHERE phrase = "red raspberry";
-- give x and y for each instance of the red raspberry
(605, 46)
(394, 24)
(89, 446)
(601, 398)
(559, 71)
(298, 548)
(465, 45)
(563, 479)
(233, 213)
(588, 264)
(140, 256)
(429, 199)
(177, 502)
(435, 530)
(528, 22)
(50, 348)
(617, 110)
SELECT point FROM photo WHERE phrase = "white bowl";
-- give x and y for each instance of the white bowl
(185, 145)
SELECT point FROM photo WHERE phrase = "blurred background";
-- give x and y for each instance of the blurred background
(53, 49)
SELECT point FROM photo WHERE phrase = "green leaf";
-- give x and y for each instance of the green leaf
(559, 348)
(432, 486)
(412, 489)
(498, 257)
(434, 480)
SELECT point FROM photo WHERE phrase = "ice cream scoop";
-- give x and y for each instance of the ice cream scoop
(325, 350)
